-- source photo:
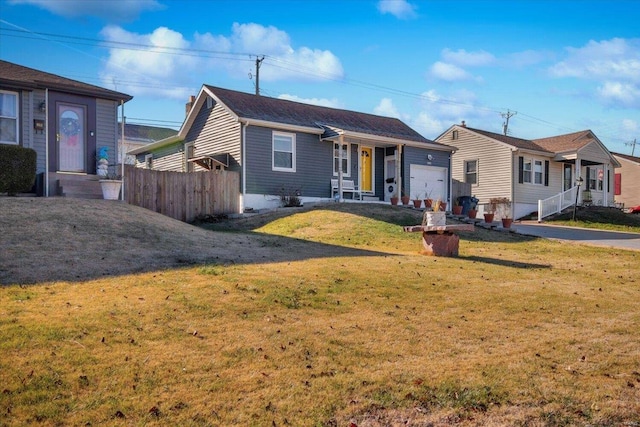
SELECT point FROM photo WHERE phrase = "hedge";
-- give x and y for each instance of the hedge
(17, 169)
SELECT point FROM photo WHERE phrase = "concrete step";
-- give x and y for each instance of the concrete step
(79, 189)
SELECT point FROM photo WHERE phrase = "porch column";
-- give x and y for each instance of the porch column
(605, 185)
(340, 143)
(578, 174)
(399, 186)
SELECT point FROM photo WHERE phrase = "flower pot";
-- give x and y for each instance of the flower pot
(506, 222)
(436, 218)
(394, 201)
(488, 217)
(405, 200)
(443, 206)
(417, 204)
(427, 203)
(472, 213)
(457, 210)
(110, 188)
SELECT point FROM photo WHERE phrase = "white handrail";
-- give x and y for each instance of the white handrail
(557, 203)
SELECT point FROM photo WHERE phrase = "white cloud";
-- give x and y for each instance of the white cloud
(386, 108)
(470, 59)
(526, 58)
(165, 63)
(114, 11)
(323, 102)
(449, 72)
(614, 63)
(401, 9)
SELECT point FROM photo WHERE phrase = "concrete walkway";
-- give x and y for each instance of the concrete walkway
(614, 239)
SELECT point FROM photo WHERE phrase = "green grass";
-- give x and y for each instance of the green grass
(515, 331)
(599, 218)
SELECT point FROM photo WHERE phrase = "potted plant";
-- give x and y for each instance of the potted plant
(405, 199)
(457, 207)
(417, 201)
(111, 185)
(473, 208)
(435, 217)
(428, 201)
(502, 205)
(490, 211)
(394, 199)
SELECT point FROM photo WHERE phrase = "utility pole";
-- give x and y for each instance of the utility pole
(507, 116)
(633, 145)
(258, 63)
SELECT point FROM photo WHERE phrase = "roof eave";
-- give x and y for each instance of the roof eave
(156, 145)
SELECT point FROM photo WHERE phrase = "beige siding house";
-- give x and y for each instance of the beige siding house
(536, 175)
(627, 180)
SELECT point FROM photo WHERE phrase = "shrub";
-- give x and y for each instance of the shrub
(17, 169)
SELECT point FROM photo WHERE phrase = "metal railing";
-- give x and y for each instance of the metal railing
(557, 203)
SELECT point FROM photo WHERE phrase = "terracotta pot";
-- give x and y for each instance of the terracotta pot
(488, 217)
(506, 222)
(457, 210)
(394, 201)
(405, 200)
(417, 204)
(443, 206)
(472, 213)
(427, 203)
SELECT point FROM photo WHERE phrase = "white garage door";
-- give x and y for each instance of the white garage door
(428, 182)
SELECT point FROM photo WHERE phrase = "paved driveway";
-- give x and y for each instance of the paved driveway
(614, 239)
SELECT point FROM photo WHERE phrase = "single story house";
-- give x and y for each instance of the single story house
(627, 182)
(136, 136)
(65, 121)
(539, 175)
(285, 147)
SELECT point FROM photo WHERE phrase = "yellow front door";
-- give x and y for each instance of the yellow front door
(366, 168)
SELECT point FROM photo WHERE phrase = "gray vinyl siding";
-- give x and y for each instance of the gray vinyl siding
(29, 103)
(418, 156)
(215, 131)
(594, 153)
(106, 127)
(314, 168)
(495, 164)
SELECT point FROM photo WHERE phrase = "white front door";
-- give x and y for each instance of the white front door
(428, 182)
(71, 138)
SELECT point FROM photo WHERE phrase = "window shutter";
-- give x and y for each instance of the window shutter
(546, 173)
(588, 177)
(520, 169)
(618, 184)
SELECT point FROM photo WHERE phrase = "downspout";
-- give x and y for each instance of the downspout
(340, 173)
(46, 142)
(244, 165)
(120, 148)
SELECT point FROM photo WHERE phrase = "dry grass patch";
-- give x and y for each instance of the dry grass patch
(517, 331)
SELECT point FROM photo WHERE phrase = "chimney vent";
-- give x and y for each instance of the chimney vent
(464, 124)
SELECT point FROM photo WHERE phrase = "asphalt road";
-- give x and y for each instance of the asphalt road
(615, 239)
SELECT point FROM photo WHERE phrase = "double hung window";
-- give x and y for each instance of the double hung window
(284, 152)
(8, 117)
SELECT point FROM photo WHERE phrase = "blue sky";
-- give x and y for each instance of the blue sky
(563, 66)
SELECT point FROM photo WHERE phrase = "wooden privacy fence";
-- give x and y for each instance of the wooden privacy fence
(459, 189)
(184, 196)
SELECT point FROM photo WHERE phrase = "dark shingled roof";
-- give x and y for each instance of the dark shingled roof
(146, 133)
(516, 142)
(19, 77)
(628, 157)
(249, 106)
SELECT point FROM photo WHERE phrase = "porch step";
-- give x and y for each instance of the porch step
(80, 189)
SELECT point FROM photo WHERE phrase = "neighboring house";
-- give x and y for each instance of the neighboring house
(530, 171)
(627, 180)
(284, 147)
(65, 121)
(136, 136)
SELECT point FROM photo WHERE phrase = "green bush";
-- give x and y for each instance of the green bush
(17, 169)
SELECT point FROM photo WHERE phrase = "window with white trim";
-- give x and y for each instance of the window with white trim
(596, 178)
(346, 159)
(189, 151)
(284, 152)
(8, 117)
(471, 171)
(526, 171)
(537, 172)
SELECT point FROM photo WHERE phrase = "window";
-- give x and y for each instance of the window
(526, 171)
(188, 154)
(346, 159)
(284, 152)
(454, 134)
(8, 117)
(148, 161)
(471, 171)
(595, 179)
(537, 172)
